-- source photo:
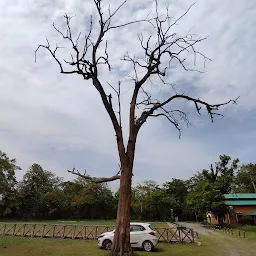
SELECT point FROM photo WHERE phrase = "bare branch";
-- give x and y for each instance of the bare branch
(118, 93)
(129, 23)
(176, 124)
(113, 14)
(83, 65)
(168, 45)
(53, 53)
(178, 19)
(96, 179)
(211, 108)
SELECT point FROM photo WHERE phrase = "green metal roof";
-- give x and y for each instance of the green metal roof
(240, 202)
(240, 196)
(251, 214)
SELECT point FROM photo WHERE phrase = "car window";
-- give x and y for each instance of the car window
(152, 228)
(136, 228)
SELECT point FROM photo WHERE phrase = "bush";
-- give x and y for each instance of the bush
(205, 222)
(246, 220)
(172, 219)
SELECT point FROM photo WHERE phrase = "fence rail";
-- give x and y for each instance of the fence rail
(85, 232)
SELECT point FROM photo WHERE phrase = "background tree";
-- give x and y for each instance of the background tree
(43, 195)
(8, 195)
(33, 189)
(245, 181)
(178, 190)
(95, 201)
(209, 187)
(71, 189)
(160, 51)
(55, 204)
(150, 202)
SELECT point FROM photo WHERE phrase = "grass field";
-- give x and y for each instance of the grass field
(13, 246)
(250, 231)
(246, 228)
(81, 222)
(213, 244)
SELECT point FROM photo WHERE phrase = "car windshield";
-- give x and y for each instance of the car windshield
(151, 228)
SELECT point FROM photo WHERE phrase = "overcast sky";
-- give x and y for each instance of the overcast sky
(59, 122)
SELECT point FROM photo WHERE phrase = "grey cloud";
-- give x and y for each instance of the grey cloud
(59, 122)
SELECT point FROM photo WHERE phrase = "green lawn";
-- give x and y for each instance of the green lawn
(250, 231)
(213, 244)
(81, 222)
(247, 228)
(13, 246)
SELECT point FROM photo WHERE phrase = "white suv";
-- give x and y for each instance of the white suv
(142, 235)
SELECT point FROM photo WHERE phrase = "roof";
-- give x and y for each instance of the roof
(240, 202)
(240, 196)
(240, 199)
(251, 214)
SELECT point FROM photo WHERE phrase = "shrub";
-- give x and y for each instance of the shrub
(245, 220)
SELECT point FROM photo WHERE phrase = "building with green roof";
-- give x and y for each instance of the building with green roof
(242, 204)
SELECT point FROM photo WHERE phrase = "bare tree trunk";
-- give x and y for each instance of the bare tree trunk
(196, 217)
(121, 245)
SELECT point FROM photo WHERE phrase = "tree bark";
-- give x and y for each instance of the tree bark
(196, 217)
(121, 245)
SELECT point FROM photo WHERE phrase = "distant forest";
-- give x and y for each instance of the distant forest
(43, 195)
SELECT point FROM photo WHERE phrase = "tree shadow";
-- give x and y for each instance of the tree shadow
(155, 250)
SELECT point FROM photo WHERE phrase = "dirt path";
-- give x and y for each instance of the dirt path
(198, 228)
(226, 244)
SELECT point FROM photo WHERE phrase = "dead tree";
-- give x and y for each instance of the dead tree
(163, 49)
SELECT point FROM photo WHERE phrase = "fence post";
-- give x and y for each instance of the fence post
(192, 234)
(14, 229)
(74, 233)
(34, 228)
(85, 232)
(43, 230)
(244, 234)
(24, 227)
(64, 229)
(53, 233)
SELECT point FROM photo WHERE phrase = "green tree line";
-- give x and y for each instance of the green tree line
(43, 195)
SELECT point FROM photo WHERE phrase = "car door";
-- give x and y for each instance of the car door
(136, 235)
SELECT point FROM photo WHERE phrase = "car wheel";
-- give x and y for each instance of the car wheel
(147, 246)
(107, 244)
